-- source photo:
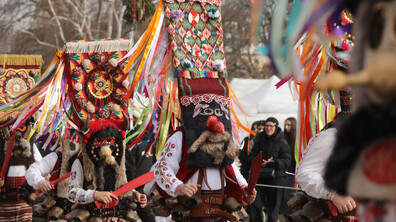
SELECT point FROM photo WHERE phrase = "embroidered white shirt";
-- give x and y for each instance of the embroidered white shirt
(310, 170)
(75, 191)
(167, 166)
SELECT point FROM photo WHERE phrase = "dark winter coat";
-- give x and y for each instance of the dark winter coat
(243, 157)
(274, 146)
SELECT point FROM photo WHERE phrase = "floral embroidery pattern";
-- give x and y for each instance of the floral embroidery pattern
(161, 169)
(72, 195)
(207, 98)
(81, 199)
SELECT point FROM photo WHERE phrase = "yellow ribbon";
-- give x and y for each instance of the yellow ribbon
(150, 30)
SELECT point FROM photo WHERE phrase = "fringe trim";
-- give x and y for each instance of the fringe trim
(98, 46)
(21, 60)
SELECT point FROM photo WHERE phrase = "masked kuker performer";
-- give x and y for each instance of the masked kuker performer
(97, 86)
(363, 162)
(100, 169)
(198, 158)
(40, 176)
(18, 73)
(15, 192)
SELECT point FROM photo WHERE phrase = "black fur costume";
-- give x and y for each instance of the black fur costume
(99, 175)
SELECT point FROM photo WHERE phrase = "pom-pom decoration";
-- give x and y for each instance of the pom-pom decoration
(90, 108)
(125, 83)
(86, 63)
(78, 87)
(113, 62)
(218, 65)
(115, 108)
(176, 15)
(214, 14)
(186, 64)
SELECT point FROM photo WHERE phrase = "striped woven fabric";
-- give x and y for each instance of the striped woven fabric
(14, 182)
(15, 212)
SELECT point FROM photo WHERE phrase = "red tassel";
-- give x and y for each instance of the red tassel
(123, 133)
(87, 136)
(85, 141)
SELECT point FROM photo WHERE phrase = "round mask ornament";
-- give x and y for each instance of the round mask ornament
(100, 87)
(16, 87)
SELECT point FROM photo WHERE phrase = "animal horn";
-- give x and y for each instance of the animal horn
(126, 121)
(85, 127)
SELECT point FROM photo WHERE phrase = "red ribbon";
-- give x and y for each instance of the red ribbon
(7, 156)
(60, 179)
(143, 179)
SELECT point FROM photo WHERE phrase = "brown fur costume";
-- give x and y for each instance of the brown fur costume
(67, 153)
(96, 173)
(22, 152)
(216, 145)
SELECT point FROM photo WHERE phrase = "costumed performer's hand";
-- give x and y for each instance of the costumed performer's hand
(47, 177)
(188, 189)
(248, 198)
(344, 203)
(141, 198)
(45, 186)
(1, 182)
(104, 197)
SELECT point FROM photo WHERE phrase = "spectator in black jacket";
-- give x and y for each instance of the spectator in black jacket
(276, 159)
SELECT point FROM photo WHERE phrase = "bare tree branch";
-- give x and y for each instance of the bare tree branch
(99, 17)
(87, 20)
(110, 25)
(76, 8)
(119, 20)
(62, 35)
(75, 24)
(37, 39)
